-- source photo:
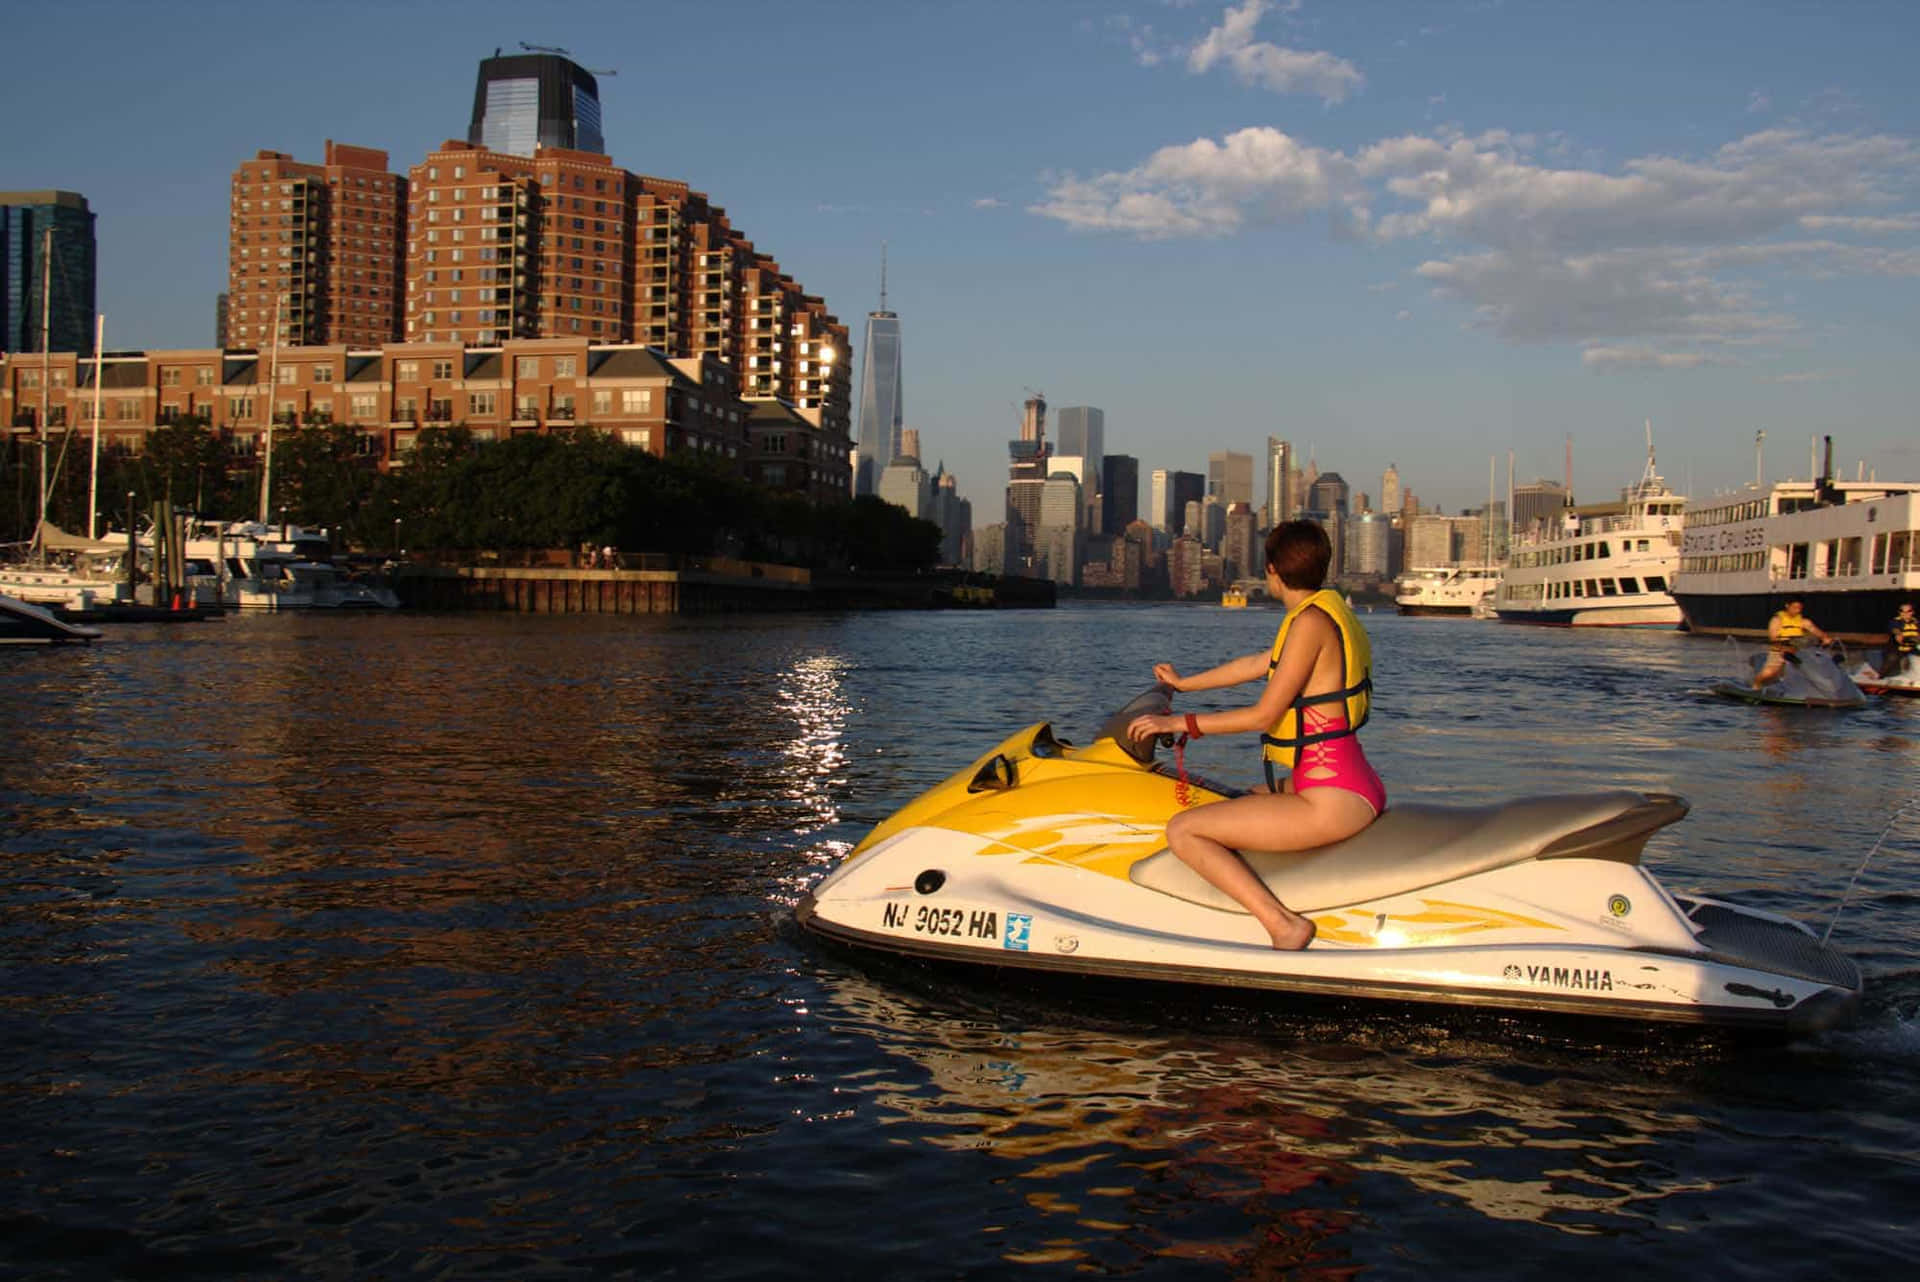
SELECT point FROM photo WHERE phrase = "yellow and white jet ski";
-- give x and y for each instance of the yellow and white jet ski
(1053, 857)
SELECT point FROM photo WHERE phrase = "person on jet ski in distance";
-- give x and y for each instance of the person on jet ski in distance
(1903, 640)
(1784, 632)
(1318, 689)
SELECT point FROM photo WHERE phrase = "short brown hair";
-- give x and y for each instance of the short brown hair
(1299, 552)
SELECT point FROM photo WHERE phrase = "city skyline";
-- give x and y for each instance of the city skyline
(1426, 234)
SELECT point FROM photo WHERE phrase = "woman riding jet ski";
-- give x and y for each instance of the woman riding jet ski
(1053, 857)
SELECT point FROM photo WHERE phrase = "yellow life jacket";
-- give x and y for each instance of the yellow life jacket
(1906, 634)
(1792, 628)
(1287, 736)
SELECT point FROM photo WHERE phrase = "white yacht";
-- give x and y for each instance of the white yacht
(1850, 550)
(1601, 565)
(245, 565)
(1444, 589)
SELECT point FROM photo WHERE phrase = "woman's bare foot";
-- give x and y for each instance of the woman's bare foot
(1293, 941)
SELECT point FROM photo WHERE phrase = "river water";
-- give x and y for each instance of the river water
(461, 946)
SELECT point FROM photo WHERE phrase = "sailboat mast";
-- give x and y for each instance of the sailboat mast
(46, 378)
(93, 485)
(273, 386)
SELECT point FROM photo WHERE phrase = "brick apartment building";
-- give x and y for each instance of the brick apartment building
(387, 394)
(479, 251)
(320, 246)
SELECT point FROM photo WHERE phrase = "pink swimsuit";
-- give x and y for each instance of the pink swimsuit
(1337, 762)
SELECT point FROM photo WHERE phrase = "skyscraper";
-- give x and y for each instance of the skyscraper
(526, 101)
(30, 285)
(1328, 493)
(1027, 474)
(1280, 496)
(1390, 489)
(880, 421)
(1119, 493)
(1185, 488)
(1230, 477)
(1081, 431)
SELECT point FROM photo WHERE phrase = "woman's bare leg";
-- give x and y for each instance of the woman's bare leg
(1206, 837)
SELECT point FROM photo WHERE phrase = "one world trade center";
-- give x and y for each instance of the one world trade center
(880, 420)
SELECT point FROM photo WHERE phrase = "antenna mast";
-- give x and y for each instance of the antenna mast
(883, 275)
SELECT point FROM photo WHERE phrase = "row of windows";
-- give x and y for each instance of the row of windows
(1581, 589)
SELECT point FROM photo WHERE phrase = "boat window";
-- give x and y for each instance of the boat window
(1629, 587)
(1900, 550)
(1605, 551)
(1656, 583)
(1794, 559)
(1607, 588)
(1879, 554)
(1846, 557)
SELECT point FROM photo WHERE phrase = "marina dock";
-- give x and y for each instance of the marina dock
(704, 585)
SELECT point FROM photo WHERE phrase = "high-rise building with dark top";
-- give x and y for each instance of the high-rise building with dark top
(32, 286)
(525, 101)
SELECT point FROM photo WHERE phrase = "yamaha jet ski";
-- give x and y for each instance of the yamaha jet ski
(1053, 857)
(1812, 678)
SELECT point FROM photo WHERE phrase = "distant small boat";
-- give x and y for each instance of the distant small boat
(1234, 599)
(24, 624)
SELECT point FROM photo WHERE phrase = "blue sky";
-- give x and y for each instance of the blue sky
(1420, 233)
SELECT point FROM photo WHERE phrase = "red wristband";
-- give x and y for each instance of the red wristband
(1193, 728)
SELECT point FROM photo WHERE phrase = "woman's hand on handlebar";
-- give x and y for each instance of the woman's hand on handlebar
(1166, 676)
(1146, 728)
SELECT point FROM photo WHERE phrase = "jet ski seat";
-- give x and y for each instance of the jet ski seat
(1411, 847)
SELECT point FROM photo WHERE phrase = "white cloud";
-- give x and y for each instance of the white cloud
(989, 202)
(1623, 262)
(1270, 66)
(1871, 226)
(1808, 376)
(1618, 360)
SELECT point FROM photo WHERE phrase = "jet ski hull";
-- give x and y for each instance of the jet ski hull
(1077, 927)
(1741, 692)
(1047, 858)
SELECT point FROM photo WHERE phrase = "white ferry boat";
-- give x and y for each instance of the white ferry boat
(1602, 565)
(1444, 589)
(1849, 549)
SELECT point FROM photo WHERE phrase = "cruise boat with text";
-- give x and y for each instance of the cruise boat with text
(1850, 550)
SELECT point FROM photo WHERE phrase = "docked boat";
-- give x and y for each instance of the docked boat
(1049, 857)
(1444, 589)
(69, 572)
(246, 565)
(1850, 550)
(23, 623)
(1601, 565)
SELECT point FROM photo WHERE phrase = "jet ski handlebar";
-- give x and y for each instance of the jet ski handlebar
(1156, 701)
